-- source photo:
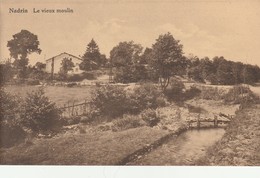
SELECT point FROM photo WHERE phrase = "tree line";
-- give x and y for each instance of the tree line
(130, 62)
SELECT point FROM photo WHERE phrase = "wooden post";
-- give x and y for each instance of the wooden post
(64, 110)
(215, 121)
(72, 112)
(85, 107)
(69, 108)
(198, 122)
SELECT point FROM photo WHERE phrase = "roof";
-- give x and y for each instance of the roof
(93, 62)
(65, 53)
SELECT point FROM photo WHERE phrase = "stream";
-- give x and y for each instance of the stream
(184, 149)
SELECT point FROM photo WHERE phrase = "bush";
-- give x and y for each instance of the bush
(11, 134)
(33, 82)
(191, 93)
(175, 91)
(150, 117)
(72, 84)
(144, 97)
(108, 101)
(212, 93)
(239, 95)
(114, 101)
(75, 78)
(89, 76)
(40, 114)
(11, 130)
(127, 122)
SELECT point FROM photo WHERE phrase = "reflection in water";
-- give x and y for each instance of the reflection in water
(184, 149)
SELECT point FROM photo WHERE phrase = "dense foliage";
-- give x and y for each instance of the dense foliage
(11, 130)
(114, 101)
(23, 44)
(167, 58)
(40, 114)
(92, 58)
(222, 71)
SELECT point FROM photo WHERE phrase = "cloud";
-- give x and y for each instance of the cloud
(194, 39)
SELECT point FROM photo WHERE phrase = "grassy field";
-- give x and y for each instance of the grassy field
(240, 146)
(58, 94)
(98, 148)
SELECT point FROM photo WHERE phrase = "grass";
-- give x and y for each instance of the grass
(100, 148)
(240, 146)
(58, 94)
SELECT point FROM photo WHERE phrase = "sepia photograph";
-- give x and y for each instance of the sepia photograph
(130, 83)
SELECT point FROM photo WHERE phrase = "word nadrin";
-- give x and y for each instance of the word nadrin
(18, 10)
(68, 10)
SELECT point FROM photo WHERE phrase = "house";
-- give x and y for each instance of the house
(53, 64)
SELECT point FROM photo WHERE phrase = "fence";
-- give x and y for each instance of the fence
(72, 109)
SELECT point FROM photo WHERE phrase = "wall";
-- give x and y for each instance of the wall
(57, 63)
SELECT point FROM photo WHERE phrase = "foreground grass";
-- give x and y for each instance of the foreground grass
(99, 148)
(240, 145)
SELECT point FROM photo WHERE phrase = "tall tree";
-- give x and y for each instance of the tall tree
(92, 57)
(224, 73)
(125, 58)
(23, 44)
(167, 58)
(146, 56)
(125, 53)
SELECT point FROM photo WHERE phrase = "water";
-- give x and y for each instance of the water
(184, 149)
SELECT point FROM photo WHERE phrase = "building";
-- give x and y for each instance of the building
(53, 64)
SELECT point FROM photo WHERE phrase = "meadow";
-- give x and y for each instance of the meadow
(58, 94)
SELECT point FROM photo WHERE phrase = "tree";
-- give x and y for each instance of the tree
(66, 66)
(6, 72)
(23, 44)
(37, 71)
(125, 53)
(146, 56)
(40, 66)
(92, 59)
(167, 58)
(125, 57)
(237, 68)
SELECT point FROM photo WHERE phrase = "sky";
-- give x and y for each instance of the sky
(204, 27)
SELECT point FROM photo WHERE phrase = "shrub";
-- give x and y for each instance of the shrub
(72, 84)
(108, 101)
(114, 101)
(127, 122)
(191, 93)
(144, 97)
(33, 82)
(11, 130)
(40, 114)
(175, 90)
(11, 134)
(89, 76)
(240, 94)
(150, 117)
(75, 78)
(212, 93)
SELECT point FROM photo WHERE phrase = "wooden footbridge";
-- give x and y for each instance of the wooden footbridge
(215, 120)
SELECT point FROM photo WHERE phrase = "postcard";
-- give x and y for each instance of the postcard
(130, 83)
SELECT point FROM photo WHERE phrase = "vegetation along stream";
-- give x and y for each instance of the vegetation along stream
(184, 149)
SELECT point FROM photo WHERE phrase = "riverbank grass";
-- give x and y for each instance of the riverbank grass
(240, 146)
(99, 148)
